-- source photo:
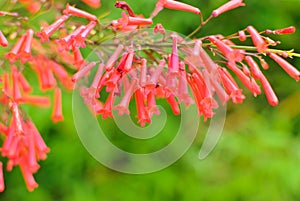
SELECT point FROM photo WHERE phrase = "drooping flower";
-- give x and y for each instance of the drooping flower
(46, 32)
(287, 67)
(13, 55)
(57, 115)
(258, 41)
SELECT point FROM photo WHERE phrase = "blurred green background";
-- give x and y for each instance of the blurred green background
(257, 157)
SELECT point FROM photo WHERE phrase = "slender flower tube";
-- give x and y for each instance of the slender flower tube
(83, 71)
(232, 4)
(70, 10)
(113, 58)
(270, 94)
(143, 73)
(48, 31)
(28, 177)
(129, 59)
(16, 89)
(3, 40)
(174, 105)
(2, 186)
(250, 84)
(68, 41)
(256, 73)
(231, 54)
(78, 59)
(106, 110)
(174, 60)
(13, 55)
(209, 64)
(231, 87)
(24, 83)
(122, 107)
(287, 67)
(174, 5)
(25, 54)
(57, 115)
(258, 41)
(143, 115)
(38, 101)
(80, 37)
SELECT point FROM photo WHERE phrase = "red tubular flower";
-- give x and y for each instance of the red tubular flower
(128, 62)
(78, 59)
(113, 58)
(232, 4)
(173, 66)
(28, 177)
(242, 35)
(183, 92)
(250, 84)
(122, 107)
(80, 37)
(3, 40)
(143, 115)
(270, 94)
(256, 73)
(217, 87)
(45, 33)
(24, 83)
(152, 107)
(174, 105)
(67, 42)
(134, 21)
(246, 70)
(57, 115)
(2, 186)
(174, 5)
(287, 30)
(143, 73)
(231, 86)
(92, 3)
(287, 67)
(106, 110)
(16, 88)
(208, 63)
(25, 54)
(231, 54)
(39, 101)
(258, 41)
(70, 10)
(83, 71)
(124, 6)
(157, 73)
(13, 55)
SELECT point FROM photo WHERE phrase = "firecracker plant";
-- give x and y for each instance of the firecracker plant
(195, 70)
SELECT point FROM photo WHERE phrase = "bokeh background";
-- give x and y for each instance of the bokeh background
(257, 157)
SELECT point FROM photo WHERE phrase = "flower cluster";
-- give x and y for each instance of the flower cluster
(135, 63)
